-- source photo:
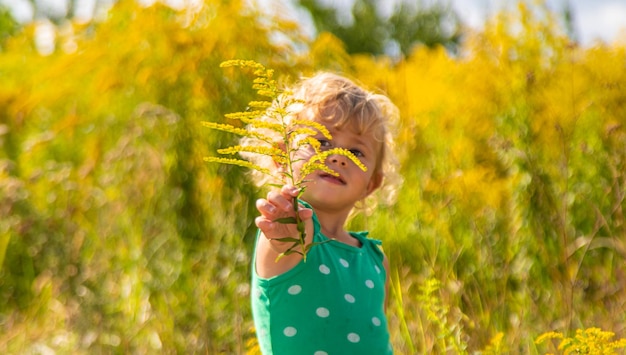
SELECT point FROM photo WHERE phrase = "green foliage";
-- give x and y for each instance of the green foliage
(437, 313)
(434, 26)
(8, 25)
(117, 237)
(370, 32)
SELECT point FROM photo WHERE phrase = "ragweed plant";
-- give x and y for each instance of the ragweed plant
(277, 133)
(592, 341)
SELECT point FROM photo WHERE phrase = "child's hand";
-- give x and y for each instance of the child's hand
(279, 204)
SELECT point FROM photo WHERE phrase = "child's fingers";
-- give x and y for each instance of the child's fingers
(280, 201)
(266, 208)
(305, 213)
(290, 191)
(264, 224)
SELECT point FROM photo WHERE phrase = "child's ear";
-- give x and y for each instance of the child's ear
(375, 182)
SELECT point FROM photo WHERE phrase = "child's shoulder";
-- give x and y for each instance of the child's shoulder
(368, 242)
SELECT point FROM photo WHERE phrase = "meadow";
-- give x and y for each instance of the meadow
(116, 237)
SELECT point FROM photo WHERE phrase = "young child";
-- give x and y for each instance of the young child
(334, 302)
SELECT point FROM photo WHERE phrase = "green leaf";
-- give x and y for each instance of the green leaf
(286, 239)
(286, 220)
(288, 252)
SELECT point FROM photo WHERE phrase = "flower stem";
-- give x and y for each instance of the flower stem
(301, 228)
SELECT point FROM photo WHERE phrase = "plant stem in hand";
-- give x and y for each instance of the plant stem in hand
(300, 226)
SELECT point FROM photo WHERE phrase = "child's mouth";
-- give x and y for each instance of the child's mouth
(333, 179)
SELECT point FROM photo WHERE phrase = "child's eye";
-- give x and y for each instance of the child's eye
(357, 153)
(324, 143)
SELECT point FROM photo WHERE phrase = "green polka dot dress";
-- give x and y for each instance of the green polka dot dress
(332, 304)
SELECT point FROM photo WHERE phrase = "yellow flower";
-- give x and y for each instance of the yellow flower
(320, 127)
(238, 162)
(344, 152)
(237, 131)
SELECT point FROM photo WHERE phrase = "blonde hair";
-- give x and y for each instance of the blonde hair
(333, 99)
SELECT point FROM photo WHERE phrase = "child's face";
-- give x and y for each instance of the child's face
(340, 193)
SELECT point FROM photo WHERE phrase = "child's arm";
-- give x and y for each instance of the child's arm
(278, 204)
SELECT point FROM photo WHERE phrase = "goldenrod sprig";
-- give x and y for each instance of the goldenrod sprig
(271, 151)
(341, 151)
(295, 134)
(274, 118)
(277, 155)
(260, 104)
(316, 125)
(312, 166)
(246, 115)
(314, 143)
(238, 162)
(585, 341)
(236, 130)
(264, 84)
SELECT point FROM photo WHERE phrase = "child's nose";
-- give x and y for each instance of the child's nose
(338, 159)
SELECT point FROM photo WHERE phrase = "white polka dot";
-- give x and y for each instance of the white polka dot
(324, 269)
(290, 331)
(294, 290)
(377, 268)
(369, 283)
(322, 312)
(376, 321)
(349, 298)
(354, 338)
(344, 262)
(320, 352)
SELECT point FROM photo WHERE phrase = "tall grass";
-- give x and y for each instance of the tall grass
(115, 236)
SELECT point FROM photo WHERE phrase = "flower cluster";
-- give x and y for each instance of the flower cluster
(279, 136)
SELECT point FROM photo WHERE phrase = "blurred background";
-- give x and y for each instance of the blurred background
(116, 237)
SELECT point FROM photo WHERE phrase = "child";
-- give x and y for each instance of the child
(334, 302)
